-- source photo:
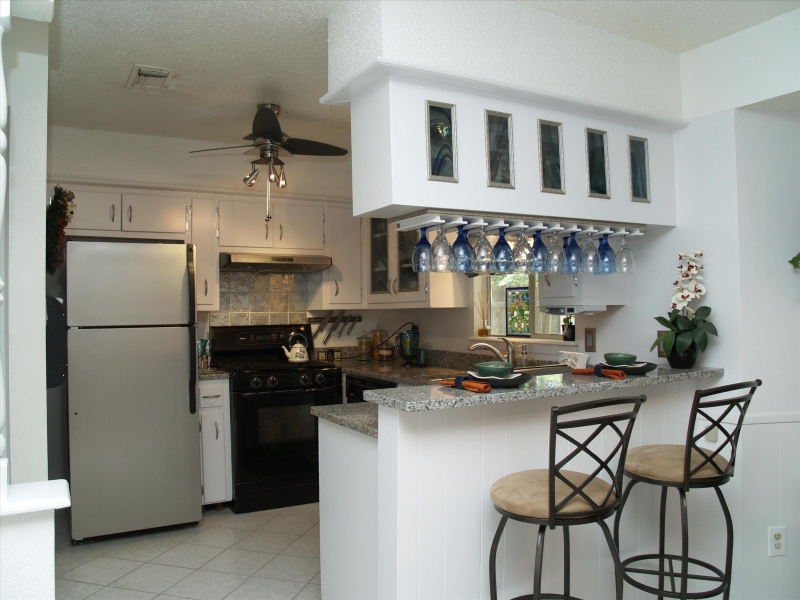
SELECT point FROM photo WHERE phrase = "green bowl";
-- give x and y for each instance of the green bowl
(619, 358)
(494, 369)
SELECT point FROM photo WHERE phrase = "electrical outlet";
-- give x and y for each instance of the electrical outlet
(777, 541)
(713, 435)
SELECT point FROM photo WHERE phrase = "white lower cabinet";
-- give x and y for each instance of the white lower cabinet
(215, 436)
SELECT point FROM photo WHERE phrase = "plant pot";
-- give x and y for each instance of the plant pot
(684, 360)
(568, 333)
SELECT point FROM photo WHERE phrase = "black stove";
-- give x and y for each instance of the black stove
(275, 449)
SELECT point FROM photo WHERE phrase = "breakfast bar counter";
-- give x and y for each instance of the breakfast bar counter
(405, 511)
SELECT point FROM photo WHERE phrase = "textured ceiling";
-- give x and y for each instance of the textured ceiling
(673, 25)
(787, 104)
(230, 57)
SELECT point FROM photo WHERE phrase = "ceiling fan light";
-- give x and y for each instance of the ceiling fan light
(251, 178)
(282, 179)
(273, 174)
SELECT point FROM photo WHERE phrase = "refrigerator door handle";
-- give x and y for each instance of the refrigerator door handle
(193, 369)
(190, 265)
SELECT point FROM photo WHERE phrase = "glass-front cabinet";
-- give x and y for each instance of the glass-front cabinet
(391, 276)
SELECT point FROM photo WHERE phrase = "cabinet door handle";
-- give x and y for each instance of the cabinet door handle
(394, 286)
(206, 290)
(130, 213)
(216, 396)
(266, 236)
(280, 237)
(113, 212)
(337, 288)
(389, 285)
(216, 427)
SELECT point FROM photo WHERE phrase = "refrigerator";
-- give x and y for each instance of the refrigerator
(134, 438)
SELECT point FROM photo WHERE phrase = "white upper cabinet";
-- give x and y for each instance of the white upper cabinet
(204, 236)
(242, 225)
(97, 210)
(154, 214)
(298, 226)
(343, 245)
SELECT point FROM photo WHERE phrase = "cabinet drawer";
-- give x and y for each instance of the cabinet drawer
(97, 210)
(211, 394)
(154, 214)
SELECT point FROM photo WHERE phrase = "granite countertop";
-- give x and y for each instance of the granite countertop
(205, 374)
(432, 397)
(394, 372)
(361, 416)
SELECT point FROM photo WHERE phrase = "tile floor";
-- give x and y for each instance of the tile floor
(268, 555)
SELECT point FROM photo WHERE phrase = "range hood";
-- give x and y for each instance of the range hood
(272, 263)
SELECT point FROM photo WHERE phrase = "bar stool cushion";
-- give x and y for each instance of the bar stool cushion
(526, 493)
(664, 462)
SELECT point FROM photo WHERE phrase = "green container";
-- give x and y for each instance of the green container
(619, 358)
(494, 369)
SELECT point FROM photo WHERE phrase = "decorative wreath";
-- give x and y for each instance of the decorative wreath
(59, 214)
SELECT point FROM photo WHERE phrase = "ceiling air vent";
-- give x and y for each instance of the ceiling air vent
(150, 79)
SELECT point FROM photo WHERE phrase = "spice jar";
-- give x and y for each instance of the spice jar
(378, 337)
(364, 347)
(386, 353)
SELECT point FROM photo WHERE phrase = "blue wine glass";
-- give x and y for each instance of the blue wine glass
(502, 255)
(574, 256)
(539, 260)
(421, 259)
(608, 260)
(462, 256)
(483, 253)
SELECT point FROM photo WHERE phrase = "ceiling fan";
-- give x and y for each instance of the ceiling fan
(268, 140)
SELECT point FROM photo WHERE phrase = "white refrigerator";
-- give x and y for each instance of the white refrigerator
(132, 386)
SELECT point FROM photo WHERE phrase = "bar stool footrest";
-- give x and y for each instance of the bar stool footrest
(548, 597)
(672, 577)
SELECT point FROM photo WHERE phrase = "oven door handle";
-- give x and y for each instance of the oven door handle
(283, 392)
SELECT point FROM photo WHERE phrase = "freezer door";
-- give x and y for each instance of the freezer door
(134, 443)
(113, 284)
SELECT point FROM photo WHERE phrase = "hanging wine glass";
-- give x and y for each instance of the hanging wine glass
(462, 256)
(440, 252)
(483, 253)
(608, 260)
(521, 254)
(421, 259)
(502, 255)
(625, 262)
(574, 255)
(591, 259)
(539, 260)
(557, 258)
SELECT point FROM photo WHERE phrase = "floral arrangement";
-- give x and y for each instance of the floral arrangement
(59, 214)
(686, 325)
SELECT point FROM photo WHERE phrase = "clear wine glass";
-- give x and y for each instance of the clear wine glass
(502, 255)
(462, 256)
(440, 252)
(625, 262)
(591, 259)
(574, 255)
(421, 259)
(608, 260)
(521, 254)
(557, 258)
(483, 253)
(539, 257)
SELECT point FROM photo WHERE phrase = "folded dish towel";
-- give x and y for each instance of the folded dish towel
(465, 384)
(599, 371)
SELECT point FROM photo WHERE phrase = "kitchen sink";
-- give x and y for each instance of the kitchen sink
(544, 370)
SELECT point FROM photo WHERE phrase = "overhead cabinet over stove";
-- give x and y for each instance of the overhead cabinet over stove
(294, 226)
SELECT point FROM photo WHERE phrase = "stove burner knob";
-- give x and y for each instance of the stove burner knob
(255, 382)
(272, 381)
(319, 378)
(305, 379)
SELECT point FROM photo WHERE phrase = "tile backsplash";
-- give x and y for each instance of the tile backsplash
(264, 298)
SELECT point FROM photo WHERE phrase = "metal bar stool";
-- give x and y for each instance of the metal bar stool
(556, 497)
(685, 467)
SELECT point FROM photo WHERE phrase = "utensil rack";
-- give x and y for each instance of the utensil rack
(316, 320)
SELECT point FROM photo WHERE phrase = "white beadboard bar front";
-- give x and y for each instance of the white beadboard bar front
(436, 520)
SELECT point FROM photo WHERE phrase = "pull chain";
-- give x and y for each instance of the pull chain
(269, 215)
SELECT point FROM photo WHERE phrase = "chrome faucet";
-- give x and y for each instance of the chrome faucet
(509, 356)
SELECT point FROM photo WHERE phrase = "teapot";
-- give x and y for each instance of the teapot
(297, 354)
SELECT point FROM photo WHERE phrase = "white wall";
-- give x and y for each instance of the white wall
(25, 61)
(510, 43)
(747, 67)
(129, 159)
(27, 559)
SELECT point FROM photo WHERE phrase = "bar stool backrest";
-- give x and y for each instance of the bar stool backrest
(731, 410)
(620, 424)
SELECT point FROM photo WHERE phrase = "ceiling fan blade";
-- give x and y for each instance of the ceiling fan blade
(223, 148)
(312, 148)
(265, 125)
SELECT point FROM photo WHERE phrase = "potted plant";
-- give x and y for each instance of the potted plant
(568, 329)
(688, 328)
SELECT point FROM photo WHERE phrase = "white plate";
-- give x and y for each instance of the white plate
(613, 366)
(476, 376)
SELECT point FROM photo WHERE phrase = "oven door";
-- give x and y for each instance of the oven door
(275, 435)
